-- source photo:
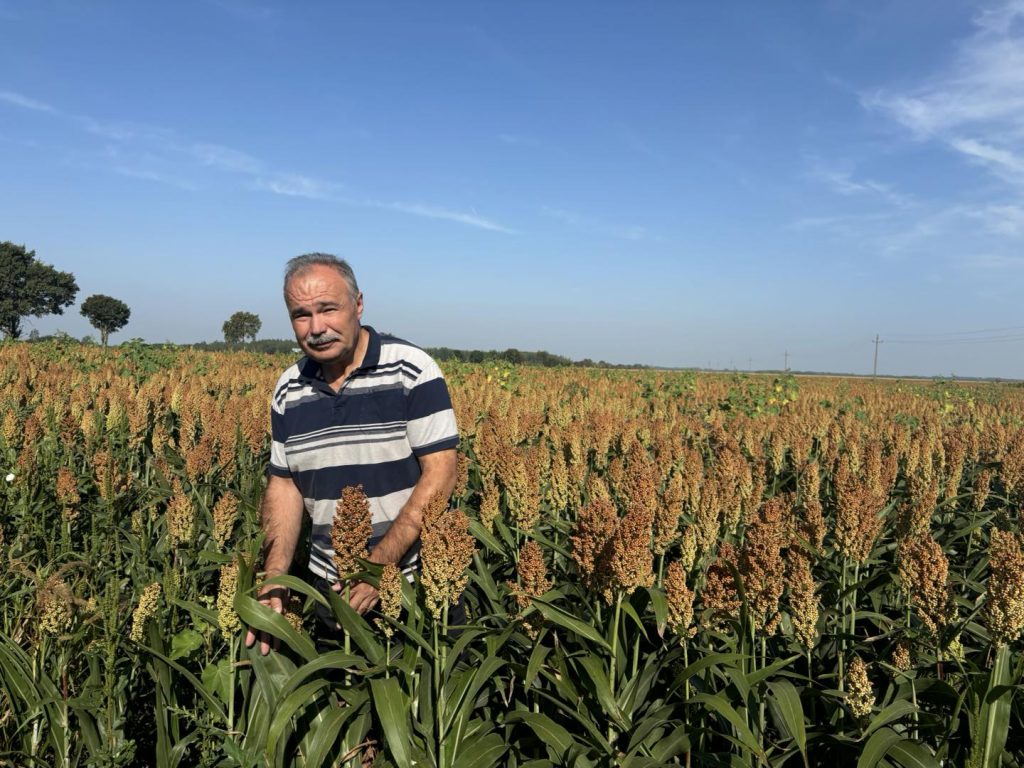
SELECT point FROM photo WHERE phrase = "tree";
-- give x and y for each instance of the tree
(106, 314)
(30, 288)
(241, 326)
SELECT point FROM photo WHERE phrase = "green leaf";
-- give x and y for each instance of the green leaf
(547, 730)
(259, 617)
(764, 673)
(185, 642)
(295, 584)
(994, 718)
(357, 628)
(894, 711)
(195, 682)
(792, 712)
(481, 753)
(217, 679)
(537, 656)
(301, 697)
(392, 708)
(877, 747)
(660, 606)
(744, 735)
(557, 616)
(326, 735)
(910, 754)
(486, 538)
(675, 743)
(595, 670)
(329, 660)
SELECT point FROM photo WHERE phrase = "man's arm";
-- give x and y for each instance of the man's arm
(282, 521)
(438, 475)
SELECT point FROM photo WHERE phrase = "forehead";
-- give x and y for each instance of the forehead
(316, 283)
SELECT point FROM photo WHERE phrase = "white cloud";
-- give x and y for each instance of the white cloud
(25, 102)
(149, 175)
(975, 106)
(133, 149)
(1006, 220)
(295, 185)
(433, 212)
(844, 183)
(225, 158)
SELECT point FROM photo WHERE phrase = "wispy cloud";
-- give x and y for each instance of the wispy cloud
(595, 226)
(1007, 220)
(224, 158)
(147, 174)
(145, 152)
(296, 185)
(976, 105)
(433, 212)
(844, 182)
(25, 102)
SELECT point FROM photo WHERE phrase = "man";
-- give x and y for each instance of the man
(359, 408)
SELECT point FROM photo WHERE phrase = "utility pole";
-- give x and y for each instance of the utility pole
(750, 364)
(785, 366)
(874, 370)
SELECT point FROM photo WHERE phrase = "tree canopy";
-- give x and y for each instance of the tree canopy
(241, 326)
(30, 288)
(106, 314)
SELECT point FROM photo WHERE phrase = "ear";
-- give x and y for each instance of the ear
(359, 305)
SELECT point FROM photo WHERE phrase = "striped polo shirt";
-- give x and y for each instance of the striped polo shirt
(392, 409)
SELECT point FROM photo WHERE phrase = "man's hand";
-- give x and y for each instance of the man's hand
(362, 597)
(274, 598)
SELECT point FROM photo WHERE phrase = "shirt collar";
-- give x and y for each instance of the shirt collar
(311, 370)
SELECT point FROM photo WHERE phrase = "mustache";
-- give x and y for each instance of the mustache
(322, 338)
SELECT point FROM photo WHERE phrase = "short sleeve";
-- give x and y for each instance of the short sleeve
(430, 419)
(278, 436)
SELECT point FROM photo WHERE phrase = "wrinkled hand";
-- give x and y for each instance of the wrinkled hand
(362, 597)
(275, 598)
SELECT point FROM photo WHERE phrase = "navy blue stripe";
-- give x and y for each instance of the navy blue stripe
(315, 415)
(427, 399)
(350, 431)
(277, 430)
(377, 479)
(352, 440)
(278, 471)
(440, 445)
(395, 366)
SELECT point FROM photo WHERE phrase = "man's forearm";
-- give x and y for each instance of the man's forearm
(282, 522)
(438, 477)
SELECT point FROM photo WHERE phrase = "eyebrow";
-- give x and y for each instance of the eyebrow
(317, 305)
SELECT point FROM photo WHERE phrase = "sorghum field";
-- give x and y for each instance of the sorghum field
(661, 568)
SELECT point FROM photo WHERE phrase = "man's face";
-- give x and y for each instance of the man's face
(324, 315)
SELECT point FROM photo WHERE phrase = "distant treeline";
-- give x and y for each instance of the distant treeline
(541, 358)
(519, 357)
(267, 346)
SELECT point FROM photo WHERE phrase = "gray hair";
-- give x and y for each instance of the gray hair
(300, 264)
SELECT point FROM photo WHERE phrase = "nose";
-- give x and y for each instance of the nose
(316, 324)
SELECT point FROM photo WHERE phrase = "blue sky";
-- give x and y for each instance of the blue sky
(678, 184)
